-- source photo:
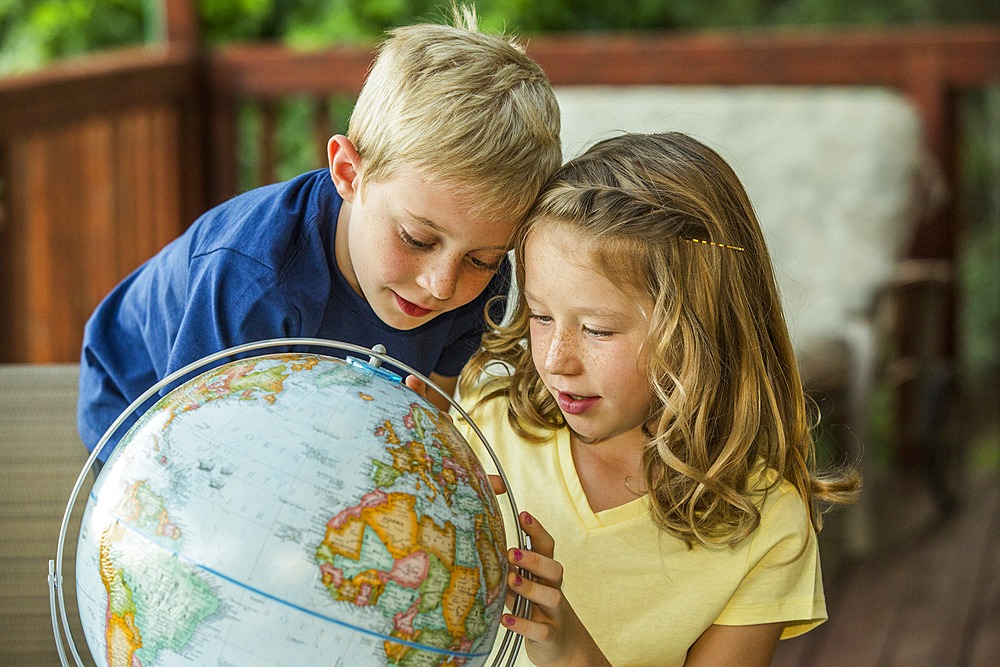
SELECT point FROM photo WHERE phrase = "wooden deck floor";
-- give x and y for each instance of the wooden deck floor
(928, 597)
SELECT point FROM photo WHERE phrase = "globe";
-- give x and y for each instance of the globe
(291, 509)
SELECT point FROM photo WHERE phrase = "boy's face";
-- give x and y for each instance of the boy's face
(413, 249)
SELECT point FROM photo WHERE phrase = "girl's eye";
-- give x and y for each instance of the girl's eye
(412, 242)
(597, 333)
(541, 319)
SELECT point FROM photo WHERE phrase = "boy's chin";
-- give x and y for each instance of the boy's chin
(397, 319)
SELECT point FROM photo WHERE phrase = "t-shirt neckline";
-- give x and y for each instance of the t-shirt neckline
(590, 519)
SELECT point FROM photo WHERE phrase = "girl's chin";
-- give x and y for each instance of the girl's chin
(587, 437)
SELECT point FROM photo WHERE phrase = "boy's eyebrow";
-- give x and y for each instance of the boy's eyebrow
(440, 230)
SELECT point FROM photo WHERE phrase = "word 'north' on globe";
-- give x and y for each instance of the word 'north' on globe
(291, 509)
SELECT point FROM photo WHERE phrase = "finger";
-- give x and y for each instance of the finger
(531, 630)
(419, 386)
(546, 569)
(497, 483)
(541, 542)
(537, 592)
(416, 384)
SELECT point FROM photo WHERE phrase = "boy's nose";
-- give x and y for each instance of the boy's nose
(439, 277)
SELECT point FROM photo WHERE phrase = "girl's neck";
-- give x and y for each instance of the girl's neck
(610, 471)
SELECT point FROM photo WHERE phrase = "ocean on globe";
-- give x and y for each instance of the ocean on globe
(291, 509)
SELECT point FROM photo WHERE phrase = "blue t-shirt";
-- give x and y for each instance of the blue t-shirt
(259, 266)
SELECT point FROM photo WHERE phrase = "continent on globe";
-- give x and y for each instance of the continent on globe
(403, 548)
(148, 615)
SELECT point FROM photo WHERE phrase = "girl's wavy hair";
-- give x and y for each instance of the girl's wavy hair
(720, 358)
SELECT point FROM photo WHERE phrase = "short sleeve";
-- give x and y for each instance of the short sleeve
(783, 582)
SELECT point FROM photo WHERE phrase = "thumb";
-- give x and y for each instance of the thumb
(497, 483)
(416, 384)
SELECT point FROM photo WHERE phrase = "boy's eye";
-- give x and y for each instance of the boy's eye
(485, 266)
(412, 242)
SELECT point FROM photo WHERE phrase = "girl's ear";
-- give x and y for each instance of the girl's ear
(345, 165)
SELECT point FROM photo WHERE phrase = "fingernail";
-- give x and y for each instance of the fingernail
(517, 580)
(508, 620)
(527, 518)
(518, 554)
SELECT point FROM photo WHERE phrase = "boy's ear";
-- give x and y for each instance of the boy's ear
(345, 165)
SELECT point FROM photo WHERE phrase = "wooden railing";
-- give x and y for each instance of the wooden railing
(104, 160)
(101, 164)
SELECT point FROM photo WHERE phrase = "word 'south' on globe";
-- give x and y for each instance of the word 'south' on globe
(291, 510)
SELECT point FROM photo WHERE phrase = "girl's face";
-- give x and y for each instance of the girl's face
(586, 339)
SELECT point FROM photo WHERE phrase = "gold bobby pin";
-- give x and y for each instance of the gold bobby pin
(720, 245)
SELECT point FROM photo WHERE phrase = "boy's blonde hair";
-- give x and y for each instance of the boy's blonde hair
(667, 218)
(463, 107)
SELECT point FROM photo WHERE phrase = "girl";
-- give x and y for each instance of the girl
(648, 413)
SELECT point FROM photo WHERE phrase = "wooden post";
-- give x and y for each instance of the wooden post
(926, 330)
(180, 18)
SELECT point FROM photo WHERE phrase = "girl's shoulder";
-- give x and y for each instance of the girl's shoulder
(784, 515)
(488, 405)
(488, 395)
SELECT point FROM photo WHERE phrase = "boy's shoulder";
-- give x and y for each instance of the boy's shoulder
(268, 222)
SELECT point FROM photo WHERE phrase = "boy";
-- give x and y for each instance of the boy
(401, 241)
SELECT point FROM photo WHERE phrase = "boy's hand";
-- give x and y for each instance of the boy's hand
(554, 635)
(436, 399)
(447, 384)
(497, 483)
(419, 386)
(416, 384)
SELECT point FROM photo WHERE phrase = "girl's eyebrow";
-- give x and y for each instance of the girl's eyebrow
(608, 313)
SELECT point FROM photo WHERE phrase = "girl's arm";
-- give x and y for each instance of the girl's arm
(554, 635)
(735, 646)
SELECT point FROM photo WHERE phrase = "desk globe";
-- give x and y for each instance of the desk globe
(291, 509)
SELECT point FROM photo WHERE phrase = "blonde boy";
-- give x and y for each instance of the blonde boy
(401, 241)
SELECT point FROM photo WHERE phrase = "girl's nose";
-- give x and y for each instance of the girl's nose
(439, 277)
(561, 354)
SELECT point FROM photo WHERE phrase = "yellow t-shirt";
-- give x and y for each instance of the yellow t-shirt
(643, 595)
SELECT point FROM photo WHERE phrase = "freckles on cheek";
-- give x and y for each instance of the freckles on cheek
(396, 264)
(537, 346)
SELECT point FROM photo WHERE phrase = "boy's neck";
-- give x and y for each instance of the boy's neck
(341, 251)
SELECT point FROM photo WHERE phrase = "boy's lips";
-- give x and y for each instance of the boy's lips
(575, 405)
(410, 308)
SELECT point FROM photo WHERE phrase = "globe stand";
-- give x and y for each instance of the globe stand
(511, 643)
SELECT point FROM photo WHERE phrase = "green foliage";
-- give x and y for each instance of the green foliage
(297, 147)
(33, 32)
(318, 23)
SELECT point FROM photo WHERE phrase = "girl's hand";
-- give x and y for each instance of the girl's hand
(553, 634)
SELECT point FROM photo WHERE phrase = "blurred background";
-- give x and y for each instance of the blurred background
(867, 133)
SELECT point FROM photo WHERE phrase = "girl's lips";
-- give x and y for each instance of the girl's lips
(410, 308)
(575, 406)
